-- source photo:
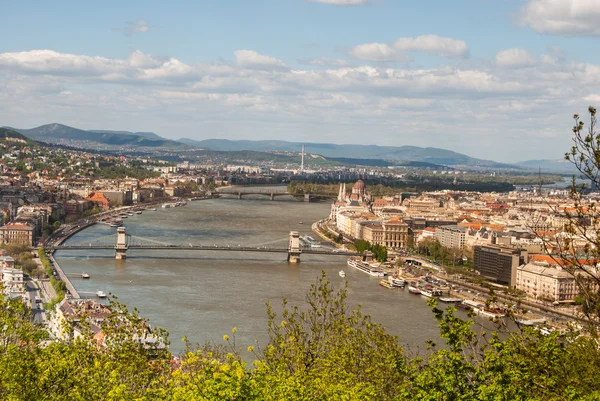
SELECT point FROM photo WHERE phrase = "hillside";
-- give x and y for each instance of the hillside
(393, 154)
(10, 133)
(150, 135)
(59, 133)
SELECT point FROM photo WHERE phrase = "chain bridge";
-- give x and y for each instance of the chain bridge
(125, 242)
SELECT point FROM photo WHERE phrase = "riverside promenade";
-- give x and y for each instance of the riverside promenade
(64, 278)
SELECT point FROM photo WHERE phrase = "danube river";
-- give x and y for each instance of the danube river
(203, 295)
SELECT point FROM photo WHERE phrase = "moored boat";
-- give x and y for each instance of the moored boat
(365, 268)
(385, 283)
(413, 288)
(481, 309)
(397, 282)
(342, 273)
(100, 294)
(450, 300)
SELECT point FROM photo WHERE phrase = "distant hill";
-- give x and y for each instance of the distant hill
(150, 135)
(10, 133)
(59, 133)
(550, 166)
(393, 154)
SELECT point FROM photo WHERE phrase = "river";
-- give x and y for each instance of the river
(203, 295)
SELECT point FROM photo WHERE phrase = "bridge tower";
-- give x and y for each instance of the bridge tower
(121, 246)
(294, 250)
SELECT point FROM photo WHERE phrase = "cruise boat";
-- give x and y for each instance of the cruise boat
(115, 223)
(449, 300)
(413, 288)
(385, 283)
(342, 273)
(365, 268)
(85, 275)
(397, 282)
(100, 294)
(430, 292)
(480, 309)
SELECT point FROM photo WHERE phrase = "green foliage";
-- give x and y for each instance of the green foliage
(379, 252)
(319, 351)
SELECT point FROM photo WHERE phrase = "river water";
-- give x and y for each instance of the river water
(203, 295)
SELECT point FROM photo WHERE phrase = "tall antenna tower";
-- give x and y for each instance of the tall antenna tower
(302, 163)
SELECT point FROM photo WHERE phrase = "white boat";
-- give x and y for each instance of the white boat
(138, 212)
(342, 273)
(152, 209)
(480, 309)
(85, 275)
(450, 300)
(365, 268)
(100, 294)
(397, 282)
(166, 205)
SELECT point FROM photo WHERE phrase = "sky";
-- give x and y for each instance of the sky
(493, 79)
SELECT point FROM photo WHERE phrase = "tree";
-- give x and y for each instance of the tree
(328, 351)
(583, 223)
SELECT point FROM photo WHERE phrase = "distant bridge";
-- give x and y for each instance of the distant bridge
(240, 192)
(125, 242)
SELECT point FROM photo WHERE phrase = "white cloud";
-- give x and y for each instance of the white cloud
(340, 2)
(377, 52)
(397, 51)
(255, 60)
(433, 44)
(514, 58)
(324, 61)
(138, 26)
(259, 98)
(562, 17)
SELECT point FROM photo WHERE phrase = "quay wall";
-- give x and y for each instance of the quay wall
(64, 278)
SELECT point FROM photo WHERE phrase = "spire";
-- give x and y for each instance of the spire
(302, 163)
(340, 194)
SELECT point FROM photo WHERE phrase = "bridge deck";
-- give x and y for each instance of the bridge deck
(206, 248)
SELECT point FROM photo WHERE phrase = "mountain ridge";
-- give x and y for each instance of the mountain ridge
(405, 153)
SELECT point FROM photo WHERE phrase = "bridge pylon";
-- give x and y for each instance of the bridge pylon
(294, 250)
(121, 246)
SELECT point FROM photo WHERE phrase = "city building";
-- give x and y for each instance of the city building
(17, 233)
(544, 278)
(451, 236)
(498, 263)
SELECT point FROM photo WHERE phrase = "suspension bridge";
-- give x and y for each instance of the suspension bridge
(126, 242)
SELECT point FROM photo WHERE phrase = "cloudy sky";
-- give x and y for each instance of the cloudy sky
(495, 79)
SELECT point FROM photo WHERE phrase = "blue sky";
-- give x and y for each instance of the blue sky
(495, 79)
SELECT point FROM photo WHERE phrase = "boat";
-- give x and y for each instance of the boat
(430, 292)
(365, 268)
(153, 209)
(100, 294)
(480, 309)
(130, 214)
(413, 288)
(138, 212)
(300, 222)
(166, 206)
(115, 223)
(385, 283)
(450, 300)
(397, 282)
(85, 275)
(342, 273)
